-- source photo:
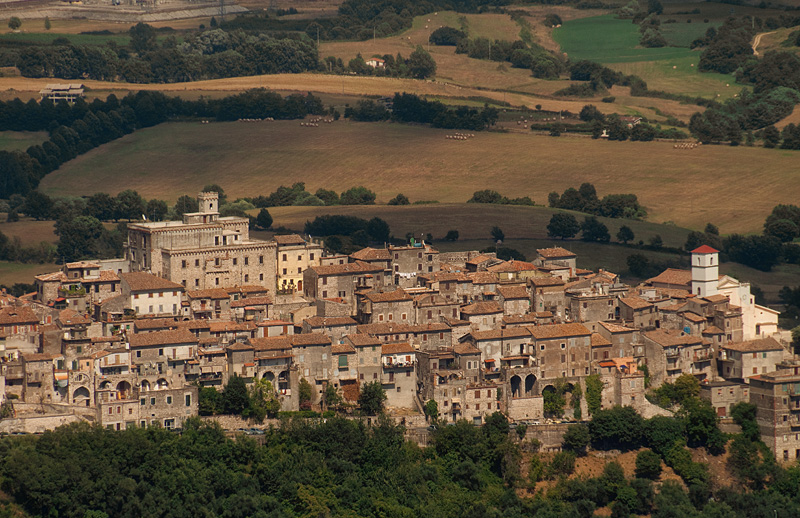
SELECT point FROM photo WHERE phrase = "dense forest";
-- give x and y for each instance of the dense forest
(347, 467)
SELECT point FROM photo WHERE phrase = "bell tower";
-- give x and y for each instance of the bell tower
(705, 271)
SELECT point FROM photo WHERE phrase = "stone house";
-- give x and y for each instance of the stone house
(638, 313)
(398, 361)
(295, 255)
(166, 407)
(341, 281)
(367, 356)
(623, 382)
(741, 361)
(407, 262)
(344, 367)
(146, 294)
(556, 256)
(392, 306)
(431, 308)
(312, 352)
(160, 352)
(669, 354)
(777, 399)
(334, 327)
(723, 394)
(624, 341)
(549, 295)
(562, 350)
(251, 309)
(514, 271)
(210, 304)
(515, 299)
(482, 316)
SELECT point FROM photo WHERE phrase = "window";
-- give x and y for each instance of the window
(183, 264)
(216, 261)
(260, 259)
(197, 262)
(152, 401)
(284, 257)
(311, 257)
(246, 277)
(246, 261)
(324, 280)
(143, 401)
(235, 261)
(188, 400)
(563, 346)
(151, 309)
(261, 277)
(138, 354)
(477, 394)
(216, 281)
(197, 282)
(169, 400)
(404, 316)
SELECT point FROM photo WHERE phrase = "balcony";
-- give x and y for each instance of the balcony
(672, 353)
(703, 356)
(397, 365)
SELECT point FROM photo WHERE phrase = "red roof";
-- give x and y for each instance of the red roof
(705, 249)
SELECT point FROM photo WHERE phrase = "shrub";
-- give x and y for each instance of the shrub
(562, 465)
(648, 465)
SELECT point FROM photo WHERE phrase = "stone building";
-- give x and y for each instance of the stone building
(407, 262)
(723, 394)
(147, 294)
(203, 250)
(741, 361)
(398, 375)
(390, 306)
(669, 354)
(549, 295)
(777, 399)
(341, 281)
(295, 255)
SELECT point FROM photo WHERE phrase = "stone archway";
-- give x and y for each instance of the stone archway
(530, 382)
(516, 386)
(81, 396)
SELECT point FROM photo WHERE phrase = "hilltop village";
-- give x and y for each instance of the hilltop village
(131, 341)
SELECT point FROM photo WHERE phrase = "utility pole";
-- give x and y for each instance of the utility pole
(222, 10)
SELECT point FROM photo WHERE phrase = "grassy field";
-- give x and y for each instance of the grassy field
(615, 43)
(689, 188)
(20, 140)
(29, 231)
(12, 273)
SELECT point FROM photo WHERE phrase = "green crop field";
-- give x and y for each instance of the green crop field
(20, 140)
(615, 43)
(688, 187)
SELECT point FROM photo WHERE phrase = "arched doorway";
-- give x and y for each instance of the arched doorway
(81, 396)
(123, 389)
(516, 386)
(530, 381)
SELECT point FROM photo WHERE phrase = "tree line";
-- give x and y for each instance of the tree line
(207, 55)
(75, 129)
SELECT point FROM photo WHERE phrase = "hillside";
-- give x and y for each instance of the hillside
(687, 187)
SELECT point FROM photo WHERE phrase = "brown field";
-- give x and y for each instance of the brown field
(349, 86)
(12, 273)
(29, 231)
(687, 187)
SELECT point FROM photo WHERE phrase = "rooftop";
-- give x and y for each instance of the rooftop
(143, 281)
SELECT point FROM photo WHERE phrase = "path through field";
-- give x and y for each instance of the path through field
(757, 41)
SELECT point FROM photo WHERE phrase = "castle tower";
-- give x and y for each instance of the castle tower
(705, 271)
(208, 202)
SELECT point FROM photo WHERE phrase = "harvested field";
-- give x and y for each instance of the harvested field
(20, 140)
(30, 232)
(255, 158)
(12, 273)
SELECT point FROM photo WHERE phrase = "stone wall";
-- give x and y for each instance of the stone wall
(37, 424)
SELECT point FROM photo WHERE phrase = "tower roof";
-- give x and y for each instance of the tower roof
(705, 249)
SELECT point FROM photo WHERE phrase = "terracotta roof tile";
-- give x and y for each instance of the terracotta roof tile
(672, 338)
(213, 293)
(363, 340)
(397, 348)
(513, 292)
(142, 281)
(342, 349)
(705, 249)
(599, 340)
(251, 301)
(180, 336)
(355, 268)
(481, 308)
(549, 331)
(512, 266)
(289, 239)
(271, 343)
(330, 321)
(555, 253)
(616, 328)
(310, 339)
(635, 302)
(673, 276)
(372, 254)
(763, 344)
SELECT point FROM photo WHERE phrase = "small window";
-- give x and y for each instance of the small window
(188, 400)
(169, 400)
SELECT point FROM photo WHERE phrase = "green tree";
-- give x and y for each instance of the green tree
(554, 401)
(305, 394)
(702, 425)
(619, 427)
(594, 230)
(357, 196)
(143, 38)
(648, 465)
(625, 234)
(14, 23)
(47, 24)
(594, 393)
(371, 398)
(185, 204)
(431, 410)
(328, 197)
(264, 219)
(563, 225)
(421, 64)
(522, 430)
(497, 234)
(223, 198)
(783, 229)
(264, 401)
(78, 237)
(129, 205)
(576, 439)
(209, 401)
(575, 401)
(536, 469)
(378, 230)
(332, 397)
(400, 199)
(656, 241)
(235, 397)
(156, 210)
(562, 465)
(38, 205)
(452, 235)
